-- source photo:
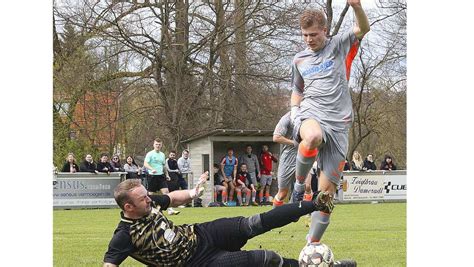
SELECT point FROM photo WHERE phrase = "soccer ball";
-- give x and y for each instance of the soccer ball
(316, 255)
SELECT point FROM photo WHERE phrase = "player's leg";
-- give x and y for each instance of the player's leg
(262, 187)
(246, 191)
(332, 165)
(253, 194)
(231, 190)
(231, 234)
(225, 192)
(266, 258)
(238, 191)
(320, 219)
(311, 135)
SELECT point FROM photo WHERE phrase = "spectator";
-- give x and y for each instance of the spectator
(387, 164)
(157, 173)
(173, 171)
(103, 165)
(369, 164)
(251, 160)
(88, 165)
(243, 184)
(219, 186)
(70, 164)
(132, 168)
(357, 163)
(184, 165)
(229, 169)
(347, 165)
(115, 163)
(266, 162)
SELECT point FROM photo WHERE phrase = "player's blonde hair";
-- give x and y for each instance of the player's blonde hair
(311, 17)
(121, 191)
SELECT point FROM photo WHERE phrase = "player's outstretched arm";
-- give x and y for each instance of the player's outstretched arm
(362, 22)
(181, 197)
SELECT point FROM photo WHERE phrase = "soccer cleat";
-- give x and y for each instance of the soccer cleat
(171, 211)
(323, 202)
(296, 196)
(254, 203)
(345, 263)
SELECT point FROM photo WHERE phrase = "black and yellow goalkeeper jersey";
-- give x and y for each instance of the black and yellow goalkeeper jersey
(152, 240)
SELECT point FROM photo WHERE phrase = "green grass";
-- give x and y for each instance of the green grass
(372, 234)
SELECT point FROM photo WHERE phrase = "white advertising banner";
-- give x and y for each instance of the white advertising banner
(85, 190)
(395, 187)
(373, 186)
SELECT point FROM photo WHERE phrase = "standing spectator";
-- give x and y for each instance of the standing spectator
(357, 162)
(132, 168)
(251, 160)
(387, 164)
(70, 164)
(88, 165)
(115, 163)
(157, 173)
(369, 164)
(243, 184)
(229, 169)
(266, 162)
(103, 165)
(219, 186)
(173, 171)
(184, 165)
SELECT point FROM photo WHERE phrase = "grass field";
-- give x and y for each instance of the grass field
(372, 234)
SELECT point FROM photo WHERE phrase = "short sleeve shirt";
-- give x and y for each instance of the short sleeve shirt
(320, 78)
(153, 239)
(156, 161)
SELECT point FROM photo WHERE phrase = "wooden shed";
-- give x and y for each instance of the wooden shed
(211, 147)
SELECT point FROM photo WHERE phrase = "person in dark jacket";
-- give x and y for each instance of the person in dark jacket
(70, 164)
(115, 163)
(387, 164)
(103, 165)
(88, 165)
(369, 164)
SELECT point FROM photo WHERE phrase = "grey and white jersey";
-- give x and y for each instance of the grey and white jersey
(284, 128)
(287, 163)
(321, 78)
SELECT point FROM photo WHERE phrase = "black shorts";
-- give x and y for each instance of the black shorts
(156, 182)
(220, 243)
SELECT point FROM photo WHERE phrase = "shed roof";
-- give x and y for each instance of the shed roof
(231, 132)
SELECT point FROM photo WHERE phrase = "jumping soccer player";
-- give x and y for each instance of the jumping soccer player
(146, 235)
(321, 105)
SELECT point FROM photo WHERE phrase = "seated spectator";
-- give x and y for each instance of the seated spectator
(243, 184)
(357, 162)
(219, 186)
(369, 164)
(132, 168)
(70, 164)
(115, 163)
(103, 165)
(387, 164)
(88, 165)
(173, 171)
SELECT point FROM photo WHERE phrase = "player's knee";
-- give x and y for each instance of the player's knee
(314, 138)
